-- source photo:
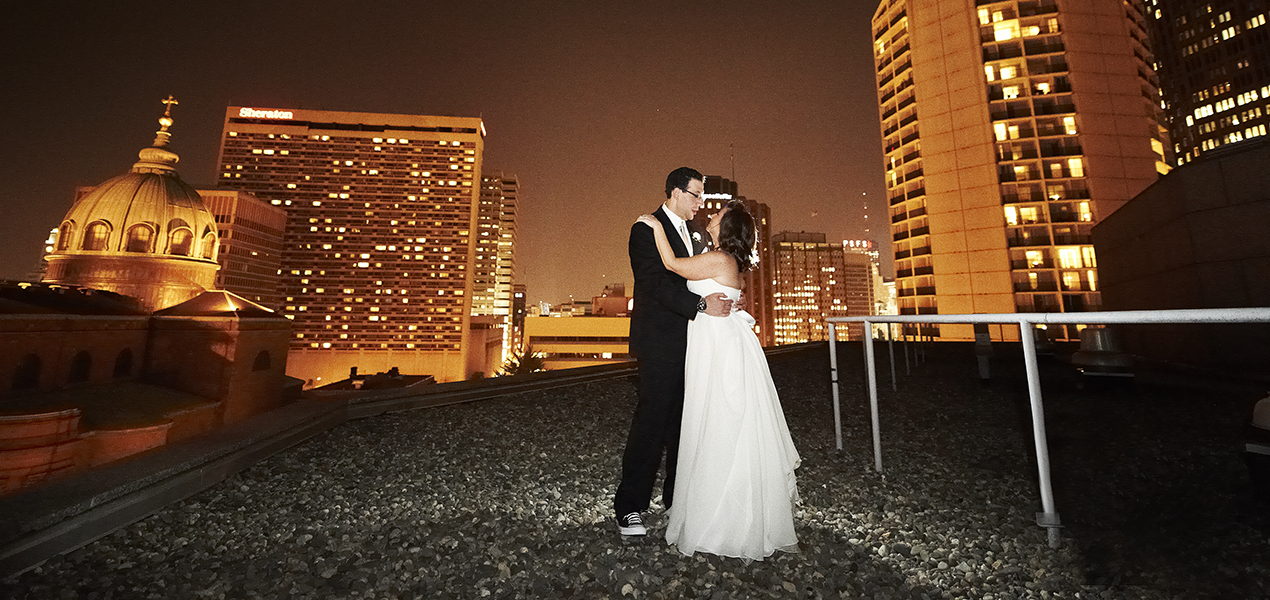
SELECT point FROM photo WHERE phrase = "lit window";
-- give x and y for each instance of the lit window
(1087, 253)
(1069, 125)
(1011, 216)
(1076, 167)
(1071, 280)
(1069, 258)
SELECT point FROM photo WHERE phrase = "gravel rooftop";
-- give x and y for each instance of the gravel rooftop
(511, 498)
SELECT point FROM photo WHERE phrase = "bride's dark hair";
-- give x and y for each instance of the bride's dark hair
(736, 234)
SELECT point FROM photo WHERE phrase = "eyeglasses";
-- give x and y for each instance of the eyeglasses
(694, 194)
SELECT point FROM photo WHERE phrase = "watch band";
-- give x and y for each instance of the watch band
(701, 304)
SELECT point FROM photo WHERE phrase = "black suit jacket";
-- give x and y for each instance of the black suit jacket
(662, 304)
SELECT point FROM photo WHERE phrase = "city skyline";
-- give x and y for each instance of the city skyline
(588, 106)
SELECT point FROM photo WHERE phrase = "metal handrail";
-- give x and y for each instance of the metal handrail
(1048, 518)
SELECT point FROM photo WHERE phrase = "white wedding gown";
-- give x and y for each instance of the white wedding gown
(734, 489)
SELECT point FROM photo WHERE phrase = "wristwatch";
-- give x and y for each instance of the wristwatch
(701, 304)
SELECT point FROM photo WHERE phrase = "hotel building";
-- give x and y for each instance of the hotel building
(1214, 65)
(379, 252)
(1009, 129)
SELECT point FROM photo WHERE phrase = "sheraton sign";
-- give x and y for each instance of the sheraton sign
(252, 113)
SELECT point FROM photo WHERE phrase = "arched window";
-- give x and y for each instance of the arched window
(27, 375)
(123, 363)
(262, 361)
(81, 367)
(140, 239)
(179, 242)
(209, 245)
(96, 236)
(64, 234)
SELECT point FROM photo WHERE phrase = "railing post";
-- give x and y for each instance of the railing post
(1049, 517)
(872, 377)
(890, 345)
(833, 376)
(908, 369)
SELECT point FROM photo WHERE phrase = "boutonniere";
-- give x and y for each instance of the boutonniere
(696, 236)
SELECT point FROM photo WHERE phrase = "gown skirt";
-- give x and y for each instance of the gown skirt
(735, 489)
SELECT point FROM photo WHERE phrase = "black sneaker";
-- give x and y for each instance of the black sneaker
(631, 524)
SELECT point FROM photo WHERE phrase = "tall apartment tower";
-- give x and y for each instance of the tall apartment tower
(1214, 65)
(810, 285)
(1009, 129)
(757, 282)
(379, 251)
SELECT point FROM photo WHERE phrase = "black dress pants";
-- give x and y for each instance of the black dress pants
(654, 431)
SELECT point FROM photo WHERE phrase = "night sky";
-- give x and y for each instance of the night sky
(590, 104)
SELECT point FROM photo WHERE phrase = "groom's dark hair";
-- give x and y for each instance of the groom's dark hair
(680, 177)
(736, 234)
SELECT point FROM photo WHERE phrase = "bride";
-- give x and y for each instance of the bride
(735, 491)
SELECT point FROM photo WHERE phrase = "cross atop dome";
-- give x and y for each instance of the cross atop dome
(169, 102)
(162, 136)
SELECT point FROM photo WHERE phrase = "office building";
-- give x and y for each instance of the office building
(1214, 66)
(811, 284)
(379, 253)
(872, 261)
(579, 341)
(250, 253)
(1009, 129)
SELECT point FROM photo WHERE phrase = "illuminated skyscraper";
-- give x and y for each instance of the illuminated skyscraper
(1214, 61)
(812, 284)
(1009, 129)
(872, 261)
(496, 238)
(381, 210)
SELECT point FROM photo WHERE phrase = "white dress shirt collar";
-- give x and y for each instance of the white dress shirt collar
(677, 221)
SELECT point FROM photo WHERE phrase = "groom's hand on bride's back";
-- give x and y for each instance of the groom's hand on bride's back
(718, 305)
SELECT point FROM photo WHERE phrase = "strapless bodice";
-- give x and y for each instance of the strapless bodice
(705, 287)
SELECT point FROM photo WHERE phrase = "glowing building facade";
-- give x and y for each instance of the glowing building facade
(1214, 65)
(810, 285)
(1009, 129)
(381, 210)
(495, 243)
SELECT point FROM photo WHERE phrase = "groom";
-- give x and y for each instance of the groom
(658, 338)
